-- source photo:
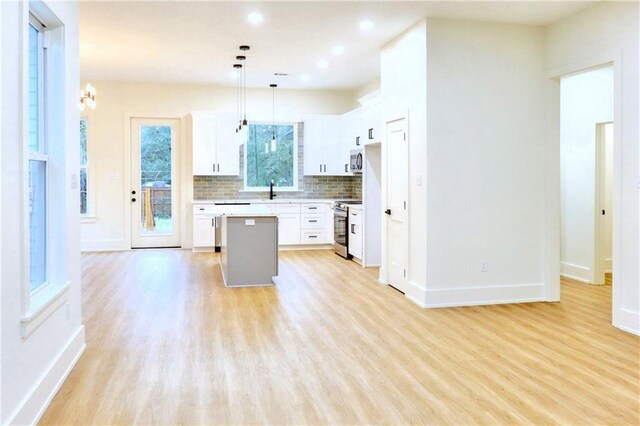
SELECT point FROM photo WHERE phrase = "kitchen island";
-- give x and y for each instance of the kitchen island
(249, 247)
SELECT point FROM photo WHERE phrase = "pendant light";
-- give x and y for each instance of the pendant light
(238, 68)
(245, 48)
(273, 117)
(242, 97)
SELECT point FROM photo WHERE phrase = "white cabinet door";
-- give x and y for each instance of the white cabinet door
(336, 149)
(288, 228)
(227, 148)
(203, 231)
(353, 128)
(371, 118)
(355, 234)
(203, 144)
(313, 144)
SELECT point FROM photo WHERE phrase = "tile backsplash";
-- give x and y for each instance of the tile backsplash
(229, 187)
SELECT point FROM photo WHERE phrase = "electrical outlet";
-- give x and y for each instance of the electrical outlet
(484, 266)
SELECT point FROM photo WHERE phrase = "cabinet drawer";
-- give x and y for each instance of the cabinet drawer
(312, 237)
(312, 221)
(312, 208)
(288, 208)
(355, 217)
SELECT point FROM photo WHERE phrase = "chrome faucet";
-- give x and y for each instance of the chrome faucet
(271, 194)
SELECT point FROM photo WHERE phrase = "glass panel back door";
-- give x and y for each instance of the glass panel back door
(155, 183)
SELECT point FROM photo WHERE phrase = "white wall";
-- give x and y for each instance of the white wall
(403, 87)
(110, 229)
(486, 163)
(585, 100)
(605, 32)
(34, 365)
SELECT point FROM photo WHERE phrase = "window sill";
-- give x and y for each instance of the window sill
(44, 303)
(275, 190)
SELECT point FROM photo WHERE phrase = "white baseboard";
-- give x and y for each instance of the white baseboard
(575, 272)
(627, 320)
(416, 293)
(36, 402)
(486, 295)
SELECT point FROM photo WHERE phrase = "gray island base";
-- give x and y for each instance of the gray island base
(249, 248)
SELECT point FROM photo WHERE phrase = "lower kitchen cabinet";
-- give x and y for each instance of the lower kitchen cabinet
(355, 233)
(288, 228)
(203, 231)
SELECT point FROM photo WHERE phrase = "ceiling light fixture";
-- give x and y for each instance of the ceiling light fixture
(88, 97)
(323, 64)
(273, 117)
(255, 18)
(366, 24)
(238, 67)
(338, 49)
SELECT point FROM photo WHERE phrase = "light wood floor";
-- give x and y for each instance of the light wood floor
(168, 344)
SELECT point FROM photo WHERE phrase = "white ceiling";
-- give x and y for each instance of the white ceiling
(196, 42)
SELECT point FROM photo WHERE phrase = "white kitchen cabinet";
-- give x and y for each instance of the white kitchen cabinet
(353, 128)
(326, 152)
(372, 128)
(288, 228)
(203, 231)
(215, 149)
(355, 233)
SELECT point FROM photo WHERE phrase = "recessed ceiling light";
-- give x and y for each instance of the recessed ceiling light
(304, 77)
(337, 50)
(323, 64)
(366, 24)
(255, 18)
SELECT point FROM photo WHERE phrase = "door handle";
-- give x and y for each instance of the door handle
(388, 211)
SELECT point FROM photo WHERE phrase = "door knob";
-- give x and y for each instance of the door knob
(388, 211)
(133, 200)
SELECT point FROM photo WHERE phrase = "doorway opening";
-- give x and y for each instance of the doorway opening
(586, 169)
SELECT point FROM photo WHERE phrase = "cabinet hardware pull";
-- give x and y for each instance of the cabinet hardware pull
(346, 168)
(214, 167)
(133, 200)
(320, 168)
(371, 133)
(313, 221)
(212, 223)
(133, 192)
(353, 228)
(313, 208)
(357, 140)
(313, 236)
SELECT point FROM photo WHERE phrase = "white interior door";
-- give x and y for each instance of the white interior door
(604, 187)
(155, 183)
(397, 199)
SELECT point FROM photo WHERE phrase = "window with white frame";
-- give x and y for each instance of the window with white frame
(271, 154)
(38, 159)
(84, 168)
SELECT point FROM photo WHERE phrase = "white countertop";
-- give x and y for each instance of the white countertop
(249, 211)
(274, 201)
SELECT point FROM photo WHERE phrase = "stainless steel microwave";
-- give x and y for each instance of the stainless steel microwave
(356, 160)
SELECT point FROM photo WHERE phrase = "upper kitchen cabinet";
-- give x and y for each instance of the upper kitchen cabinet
(352, 128)
(372, 127)
(326, 152)
(214, 145)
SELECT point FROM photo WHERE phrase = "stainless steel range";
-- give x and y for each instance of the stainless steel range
(340, 227)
